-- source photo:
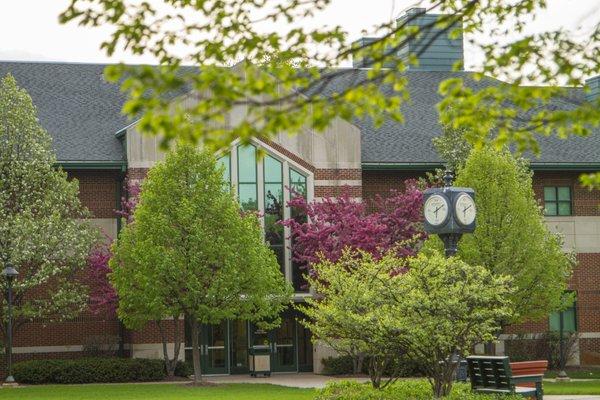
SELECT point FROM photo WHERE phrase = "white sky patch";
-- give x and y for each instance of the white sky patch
(31, 32)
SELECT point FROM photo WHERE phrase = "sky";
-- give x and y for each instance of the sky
(30, 30)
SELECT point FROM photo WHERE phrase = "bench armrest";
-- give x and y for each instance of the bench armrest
(526, 378)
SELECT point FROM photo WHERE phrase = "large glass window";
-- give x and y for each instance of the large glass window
(225, 163)
(247, 185)
(557, 200)
(273, 176)
(298, 188)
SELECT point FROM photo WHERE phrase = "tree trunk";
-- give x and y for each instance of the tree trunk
(375, 372)
(196, 351)
(170, 363)
(442, 381)
(121, 349)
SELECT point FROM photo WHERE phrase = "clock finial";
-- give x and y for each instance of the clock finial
(448, 177)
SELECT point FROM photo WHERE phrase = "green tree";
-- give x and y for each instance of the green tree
(428, 309)
(190, 251)
(353, 314)
(452, 147)
(448, 306)
(43, 231)
(511, 237)
(216, 34)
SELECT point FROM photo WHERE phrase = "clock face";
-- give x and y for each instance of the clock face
(464, 209)
(436, 210)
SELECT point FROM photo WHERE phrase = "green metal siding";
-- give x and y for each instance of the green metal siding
(594, 85)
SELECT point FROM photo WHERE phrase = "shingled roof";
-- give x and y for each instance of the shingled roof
(410, 142)
(82, 112)
(79, 109)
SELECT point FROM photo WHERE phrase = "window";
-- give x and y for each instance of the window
(273, 176)
(569, 319)
(557, 200)
(247, 186)
(298, 188)
(225, 163)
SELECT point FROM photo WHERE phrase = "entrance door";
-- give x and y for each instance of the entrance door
(215, 349)
(283, 346)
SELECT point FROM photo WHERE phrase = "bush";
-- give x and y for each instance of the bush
(101, 346)
(184, 369)
(544, 346)
(402, 390)
(343, 365)
(89, 370)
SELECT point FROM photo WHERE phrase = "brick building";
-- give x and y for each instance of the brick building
(99, 147)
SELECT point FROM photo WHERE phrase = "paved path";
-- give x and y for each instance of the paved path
(310, 380)
(301, 380)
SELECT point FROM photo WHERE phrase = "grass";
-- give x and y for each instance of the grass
(577, 373)
(156, 392)
(217, 392)
(573, 387)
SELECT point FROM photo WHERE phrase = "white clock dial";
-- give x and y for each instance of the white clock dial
(436, 210)
(464, 209)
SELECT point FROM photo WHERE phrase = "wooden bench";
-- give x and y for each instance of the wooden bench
(490, 374)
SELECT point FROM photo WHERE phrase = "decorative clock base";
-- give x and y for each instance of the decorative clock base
(450, 242)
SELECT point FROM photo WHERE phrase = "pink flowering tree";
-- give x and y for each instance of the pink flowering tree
(103, 299)
(325, 228)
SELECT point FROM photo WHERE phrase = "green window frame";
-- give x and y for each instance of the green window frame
(558, 200)
(247, 177)
(273, 212)
(298, 186)
(569, 319)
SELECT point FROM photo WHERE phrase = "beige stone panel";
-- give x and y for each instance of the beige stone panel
(152, 350)
(586, 227)
(566, 227)
(320, 352)
(587, 243)
(107, 226)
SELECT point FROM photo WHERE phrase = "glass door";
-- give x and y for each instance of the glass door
(214, 349)
(283, 346)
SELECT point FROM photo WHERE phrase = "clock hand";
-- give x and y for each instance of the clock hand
(465, 209)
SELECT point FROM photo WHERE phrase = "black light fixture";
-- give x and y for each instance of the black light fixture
(9, 273)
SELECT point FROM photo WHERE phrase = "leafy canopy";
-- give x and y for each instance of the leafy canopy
(42, 228)
(281, 77)
(448, 306)
(434, 309)
(335, 224)
(511, 237)
(190, 251)
(353, 313)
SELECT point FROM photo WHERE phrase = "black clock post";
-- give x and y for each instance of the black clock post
(458, 213)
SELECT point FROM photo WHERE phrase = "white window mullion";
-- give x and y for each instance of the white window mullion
(287, 215)
(260, 180)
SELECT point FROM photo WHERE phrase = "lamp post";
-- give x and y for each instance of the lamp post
(9, 273)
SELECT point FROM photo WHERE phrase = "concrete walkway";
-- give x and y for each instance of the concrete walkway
(299, 380)
(310, 380)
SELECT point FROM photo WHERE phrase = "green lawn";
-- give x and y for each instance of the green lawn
(574, 387)
(217, 392)
(577, 373)
(156, 392)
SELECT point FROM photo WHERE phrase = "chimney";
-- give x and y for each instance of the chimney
(433, 47)
(593, 84)
(357, 61)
